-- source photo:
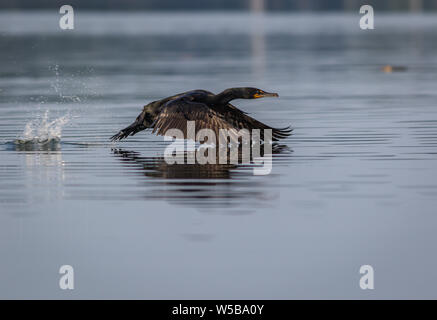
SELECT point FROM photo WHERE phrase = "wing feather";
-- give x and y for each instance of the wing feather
(241, 120)
(177, 112)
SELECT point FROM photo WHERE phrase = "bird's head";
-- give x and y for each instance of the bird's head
(251, 93)
(242, 93)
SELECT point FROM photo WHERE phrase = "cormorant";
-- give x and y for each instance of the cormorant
(208, 110)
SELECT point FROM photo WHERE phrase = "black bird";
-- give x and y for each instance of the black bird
(208, 110)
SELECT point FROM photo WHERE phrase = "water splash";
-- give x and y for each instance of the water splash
(60, 84)
(43, 130)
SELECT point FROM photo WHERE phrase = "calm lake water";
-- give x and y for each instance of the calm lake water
(356, 183)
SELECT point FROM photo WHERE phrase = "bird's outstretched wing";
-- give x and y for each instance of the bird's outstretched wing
(176, 113)
(137, 126)
(146, 118)
(240, 119)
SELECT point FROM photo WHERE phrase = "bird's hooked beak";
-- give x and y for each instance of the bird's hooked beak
(265, 94)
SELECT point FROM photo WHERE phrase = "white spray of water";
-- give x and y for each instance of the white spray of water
(59, 83)
(43, 130)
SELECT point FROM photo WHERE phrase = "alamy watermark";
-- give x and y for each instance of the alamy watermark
(66, 22)
(367, 281)
(66, 282)
(367, 20)
(232, 147)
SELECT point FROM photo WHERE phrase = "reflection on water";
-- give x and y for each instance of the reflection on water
(41, 170)
(258, 43)
(50, 145)
(199, 185)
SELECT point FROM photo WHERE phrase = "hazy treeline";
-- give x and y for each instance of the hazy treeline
(271, 5)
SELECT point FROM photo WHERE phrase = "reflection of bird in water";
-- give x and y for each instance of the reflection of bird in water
(199, 184)
(389, 68)
(208, 110)
(158, 167)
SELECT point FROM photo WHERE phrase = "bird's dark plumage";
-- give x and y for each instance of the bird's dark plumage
(206, 109)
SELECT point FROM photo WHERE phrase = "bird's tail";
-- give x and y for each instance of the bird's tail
(135, 127)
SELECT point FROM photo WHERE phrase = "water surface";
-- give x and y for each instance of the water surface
(356, 183)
